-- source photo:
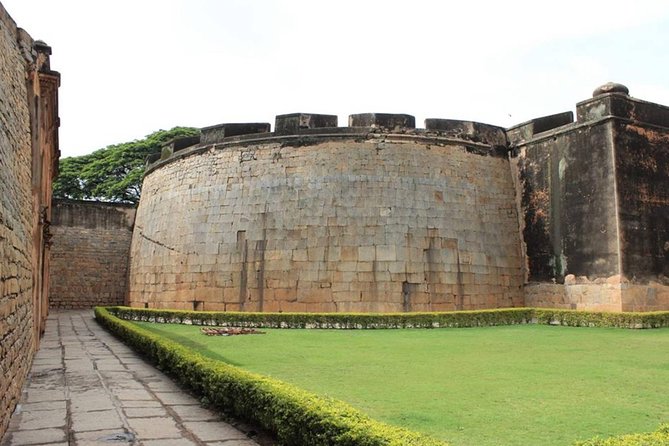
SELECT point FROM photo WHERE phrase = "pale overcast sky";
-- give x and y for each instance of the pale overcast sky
(130, 67)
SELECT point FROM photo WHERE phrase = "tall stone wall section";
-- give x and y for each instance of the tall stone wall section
(16, 225)
(595, 199)
(28, 158)
(90, 253)
(338, 219)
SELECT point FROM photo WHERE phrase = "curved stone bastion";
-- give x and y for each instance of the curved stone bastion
(377, 216)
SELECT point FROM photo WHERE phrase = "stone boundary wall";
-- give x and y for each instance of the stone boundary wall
(28, 162)
(378, 216)
(89, 253)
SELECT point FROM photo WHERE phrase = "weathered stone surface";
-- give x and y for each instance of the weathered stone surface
(37, 437)
(28, 161)
(526, 131)
(155, 427)
(595, 200)
(214, 430)
(610, 87)
(623, 107)
(177, 144)
(338, 224)
(389, 121)
(176, 398)
(474, 131)
(216, 133)
(292, 123)
(95, 412)
(96, 420)
(89, 255)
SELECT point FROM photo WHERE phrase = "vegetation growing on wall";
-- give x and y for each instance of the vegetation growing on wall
(113, 173)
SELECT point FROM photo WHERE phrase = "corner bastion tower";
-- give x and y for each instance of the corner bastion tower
(381, 216)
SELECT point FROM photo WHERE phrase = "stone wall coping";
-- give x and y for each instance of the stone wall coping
(573, 127)
(623, 106)
(312, 136)
(90, 203)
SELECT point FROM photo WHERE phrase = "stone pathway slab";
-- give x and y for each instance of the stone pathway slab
(87, 388)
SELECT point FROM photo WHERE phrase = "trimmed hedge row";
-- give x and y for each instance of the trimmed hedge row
(657, 438)
(482, 318)
(503, 316)
(295, 416)
(577, 318)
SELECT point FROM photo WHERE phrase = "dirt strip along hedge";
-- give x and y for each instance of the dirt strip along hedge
(481, 318)
(295, 416)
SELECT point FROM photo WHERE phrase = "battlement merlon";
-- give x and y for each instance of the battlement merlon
(610, 101)
(480, 138)
(620, 105)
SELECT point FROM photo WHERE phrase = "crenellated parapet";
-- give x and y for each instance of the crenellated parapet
(308, 128)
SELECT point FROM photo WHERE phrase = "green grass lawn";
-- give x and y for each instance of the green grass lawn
(514, 385)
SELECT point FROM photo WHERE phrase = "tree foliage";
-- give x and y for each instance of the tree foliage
(113, 173)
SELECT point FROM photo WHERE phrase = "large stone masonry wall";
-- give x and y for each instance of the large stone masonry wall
(16, 274)
(28, 159)
(595, 203)
(89, 253)
(367, 218)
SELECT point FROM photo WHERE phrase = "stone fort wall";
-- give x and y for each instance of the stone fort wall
(377, 216)
(381, 216)
(29, 156)
(90, 253)
(595, 204)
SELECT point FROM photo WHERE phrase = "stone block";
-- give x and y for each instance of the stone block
(39, 436)
(392, 122)
(386, 253)
(292, 123)
(349, 253)
(347, 266)
(474, 131)
(152, 428)
(366, 253)
(312, 295)
(216, 133)
(300, 255)
(42, 419)
(94, 421)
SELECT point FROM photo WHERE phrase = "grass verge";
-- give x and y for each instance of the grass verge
(296, 416)
(513, 385)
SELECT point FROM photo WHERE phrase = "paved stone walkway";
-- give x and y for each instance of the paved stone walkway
(87, 388)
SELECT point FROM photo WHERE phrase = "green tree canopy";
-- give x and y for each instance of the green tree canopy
(113, 173)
